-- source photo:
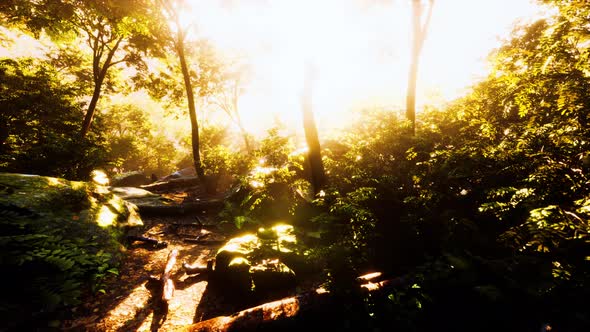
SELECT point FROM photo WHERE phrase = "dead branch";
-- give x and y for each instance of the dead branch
(167, 283)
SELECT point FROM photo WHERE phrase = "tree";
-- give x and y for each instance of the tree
(39, 122)
(316, 166)
(107, 27)
(419, 30)
(134, 141)
(227, 100)
(206, 76)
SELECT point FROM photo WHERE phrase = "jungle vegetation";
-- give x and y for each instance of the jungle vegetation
(482, 205)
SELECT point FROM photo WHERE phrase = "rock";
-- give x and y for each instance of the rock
(58, 238)
(256, 260)
(82, 202)
(185, 172)
(238, 247)
(283, 236)
(130, 179)
(238, 274)
(132, 193)
(272, 275)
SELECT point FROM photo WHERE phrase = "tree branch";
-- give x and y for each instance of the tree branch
(424, 29)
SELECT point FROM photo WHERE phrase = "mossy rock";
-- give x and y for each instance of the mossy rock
(82, 202)
(281, 236)
(259, 257)
(238, 247)
(58, 238)
(130, 179)
(148, 202)
(238, 274)
(132, 193)
(272, 275)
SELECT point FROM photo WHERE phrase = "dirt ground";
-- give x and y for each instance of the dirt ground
(130, 301)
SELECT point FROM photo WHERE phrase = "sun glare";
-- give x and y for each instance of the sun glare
(360, 51)
(359, 48)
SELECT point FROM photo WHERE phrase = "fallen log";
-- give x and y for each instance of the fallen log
(369, 277)
(167, 283)
(199, 240)
(258, 317)
(172, 184)
(154, 242)
(252, 319)
(385, 284)
(181, 209)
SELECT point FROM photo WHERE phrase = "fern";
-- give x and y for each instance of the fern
(47, 270)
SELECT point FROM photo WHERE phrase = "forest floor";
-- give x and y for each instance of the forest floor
(129, 303)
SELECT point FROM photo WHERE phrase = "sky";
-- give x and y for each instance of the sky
(360, 49)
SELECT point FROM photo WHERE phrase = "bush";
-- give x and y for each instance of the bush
(59, 240)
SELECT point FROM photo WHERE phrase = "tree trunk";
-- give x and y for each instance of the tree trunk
(239, 119)
(99, 75)
(418, 36)
(191, 109)
(4, 135)
(245, 137)
(91, 109)
(316, 166)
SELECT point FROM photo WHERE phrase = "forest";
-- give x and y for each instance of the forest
(136, 195)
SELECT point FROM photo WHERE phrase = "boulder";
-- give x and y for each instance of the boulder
(257, 261)
(59, 239)
(130, 179)
(82, 202)
(185, 172)
(272, 275)
(132, 193)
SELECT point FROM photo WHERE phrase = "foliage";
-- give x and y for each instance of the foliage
(107, 28)
(273, 189)
(134, 144)
(484, 210)
(483, 213)
(53, 247)
(39, 123)
(166, 83)
(275, 148)
(221, 162)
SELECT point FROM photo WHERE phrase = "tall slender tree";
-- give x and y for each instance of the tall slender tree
(206, 75)
(419, 30)
(314, 156)
(227, 99)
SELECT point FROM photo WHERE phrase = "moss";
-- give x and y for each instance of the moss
(261, 258)
(58, 237)
(78, 201)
